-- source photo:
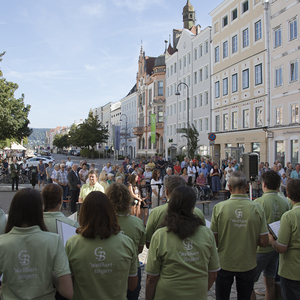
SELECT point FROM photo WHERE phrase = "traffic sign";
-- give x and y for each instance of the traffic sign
(106, 147)
(212, 137)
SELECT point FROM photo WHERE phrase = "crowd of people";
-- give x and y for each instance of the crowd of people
(114, 226)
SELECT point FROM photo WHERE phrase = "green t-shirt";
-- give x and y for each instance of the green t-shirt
(51, 217)
(238, 222)
(289, 235)
(87, 188)
(101, 267)
(182, 265)
(134, 228)
(2, 221)
(274, 207)
(27, 258)
(286, 199)
(157, 216)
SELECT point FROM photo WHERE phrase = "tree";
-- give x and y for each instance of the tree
(89, 133)
(193, 139)
(13, 112)
(61, 141)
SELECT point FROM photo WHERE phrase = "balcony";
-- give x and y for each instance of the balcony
(141, 130)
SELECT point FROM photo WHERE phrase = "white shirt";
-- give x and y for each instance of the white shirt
(155, 187)
(108, 170)
(69, 163)
(191, 171)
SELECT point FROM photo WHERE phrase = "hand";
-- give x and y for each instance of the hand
(271, 238)
(78, 186)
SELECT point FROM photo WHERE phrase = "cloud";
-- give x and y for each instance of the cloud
(136, 5)
(94, 9)
(38, 75)
(90, 68)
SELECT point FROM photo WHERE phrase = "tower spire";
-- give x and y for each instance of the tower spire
(188, 15)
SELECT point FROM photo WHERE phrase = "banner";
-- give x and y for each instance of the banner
(116, 134)
(153, 128)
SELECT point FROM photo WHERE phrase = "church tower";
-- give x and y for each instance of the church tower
(188, 15)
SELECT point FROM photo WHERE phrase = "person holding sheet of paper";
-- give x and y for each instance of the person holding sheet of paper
(274, 207)
(52, 195)
(157, 214)
(288, 245)
(32, 259)
(102, 259)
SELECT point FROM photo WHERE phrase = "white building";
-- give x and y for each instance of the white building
(128, 115)
(115, 115)
(190, 64)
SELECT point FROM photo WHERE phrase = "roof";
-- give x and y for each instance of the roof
(150, 61)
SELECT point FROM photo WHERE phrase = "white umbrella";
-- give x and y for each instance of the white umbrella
(15, 146)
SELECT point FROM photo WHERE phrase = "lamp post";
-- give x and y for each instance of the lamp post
(125, 133)
(188, 115)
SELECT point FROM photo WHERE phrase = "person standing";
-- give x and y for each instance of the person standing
(215, 175)
(157, 190)
(15, 173)
(296, 173)
(75, 184)
(49, 171)
(239, 226)
(41, 173)
(62, 180)
(191, 170)
(69, 163)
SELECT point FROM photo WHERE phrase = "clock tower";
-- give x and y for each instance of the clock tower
(188, 15)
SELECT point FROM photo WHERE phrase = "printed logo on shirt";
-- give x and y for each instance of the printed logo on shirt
(24, 258)
(238, 213)
(188, 244)
(275, 206)
(100, 255)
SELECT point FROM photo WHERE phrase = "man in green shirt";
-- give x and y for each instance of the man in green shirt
(239, 226)
(274, 207)
(288, 245)
(157, 214)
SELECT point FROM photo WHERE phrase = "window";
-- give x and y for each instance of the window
(206, 124)
(293, 30)
(200, 125)
(216, 27)
(295, 113)
(200, 50)
(200, 75)
(225, 122)
(245, 38)
(206, 98)
(195, 54)
(278, 76)
(234, 44)
(258, 74)
(160, 88)
(245, 6)
(184, 105)
(174, 108)
(258, 30)
(217, 54)
(168, 111)
(234, 82)
(245, 79)
(295, 151)
(225, 21)
(258, 116)
(277, 37)
(175, 66)
(225, 49)
(246, 118)
(160, 110)
(234, 14)
(171, 70)
(171, 90)
(195, 101)
(234, 120)
(217, 89)
(278, 116)
(189, 58)
(206, 72)
(206, 47)
(180, 64)
(256, 149)
(171, 130)
(217, 123)
(294, 71)
(195, 77)
(200, 100)
(168, 94)
(180, 107)
(168, 73)
(225, 86)
(171, 110)
(150, 96)
(280, 151)
(184, 61)
(189, 81)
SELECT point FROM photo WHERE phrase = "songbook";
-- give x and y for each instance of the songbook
(207, 223)
(274, 228)
(73, 216)
(65, 231)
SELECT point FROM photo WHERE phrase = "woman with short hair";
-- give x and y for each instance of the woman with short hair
(186, 240)
(131, 226)
(52, 195)
(103, 180)
(30, 255)
(155, 182)
(103, 261)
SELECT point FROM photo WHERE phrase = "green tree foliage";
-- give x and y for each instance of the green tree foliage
(193, 139)
(13, 112)
(61, 141)
(89, 133)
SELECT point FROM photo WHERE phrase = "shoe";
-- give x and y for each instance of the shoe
(261, 291)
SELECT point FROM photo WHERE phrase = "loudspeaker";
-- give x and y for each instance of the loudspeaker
(249, 165)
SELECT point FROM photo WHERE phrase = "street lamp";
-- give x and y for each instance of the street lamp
(188, 115)
(125, 133)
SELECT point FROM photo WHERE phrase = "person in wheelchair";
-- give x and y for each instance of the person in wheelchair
(201, 184)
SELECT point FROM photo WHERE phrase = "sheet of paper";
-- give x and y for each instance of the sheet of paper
(275, 227)
(65, 231)
(207, 223)
(73, 216)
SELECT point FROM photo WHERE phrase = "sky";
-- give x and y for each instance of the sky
(68, 56)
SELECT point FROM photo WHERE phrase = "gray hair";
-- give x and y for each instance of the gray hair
(118, 178)
(169, 169)
(237, 180)
(110, 175)
(172, 181)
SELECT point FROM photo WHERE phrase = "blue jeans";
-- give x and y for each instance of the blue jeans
(290, 289)
(244, 284)
(134, 295)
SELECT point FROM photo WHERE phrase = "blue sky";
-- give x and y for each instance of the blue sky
(68, 56)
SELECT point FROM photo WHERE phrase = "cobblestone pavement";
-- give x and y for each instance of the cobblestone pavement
(211, 293)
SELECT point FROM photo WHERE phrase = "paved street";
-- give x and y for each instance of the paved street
(6, 196)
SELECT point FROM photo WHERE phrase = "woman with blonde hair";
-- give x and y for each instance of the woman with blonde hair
(135, 194)
(103, 180)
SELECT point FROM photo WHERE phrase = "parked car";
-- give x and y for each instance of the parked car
(34, 161)
(48, 157)
(76, 153)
